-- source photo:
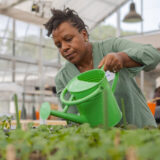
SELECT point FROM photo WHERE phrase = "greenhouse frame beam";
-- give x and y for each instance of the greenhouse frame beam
(23, 15)
(108, 2)
(13, 4)
(28, 61)
(28, 99)
(29, 43)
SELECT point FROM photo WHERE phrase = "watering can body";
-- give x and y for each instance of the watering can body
(92, 95)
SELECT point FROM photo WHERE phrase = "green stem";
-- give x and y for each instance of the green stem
(105, 109)
(17, 114)
(123, 113)
(114, 84)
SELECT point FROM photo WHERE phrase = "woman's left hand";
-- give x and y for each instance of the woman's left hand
(112, 62)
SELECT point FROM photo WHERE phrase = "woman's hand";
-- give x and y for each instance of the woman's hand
(112, 62)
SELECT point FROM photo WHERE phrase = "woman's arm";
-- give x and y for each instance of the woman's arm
(116, 61)
(125, 53)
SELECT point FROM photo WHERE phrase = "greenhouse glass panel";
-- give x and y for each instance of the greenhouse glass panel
(27, 50)
(5, 71)
(49, 53)
(6, 26)
(151, 15)
(27, 32)
(6, 46)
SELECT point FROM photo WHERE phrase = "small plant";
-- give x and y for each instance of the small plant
(81, 142)
(5, 122)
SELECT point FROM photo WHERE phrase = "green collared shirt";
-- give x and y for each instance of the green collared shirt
(136, 109)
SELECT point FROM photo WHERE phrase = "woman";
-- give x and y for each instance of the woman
(117, 55)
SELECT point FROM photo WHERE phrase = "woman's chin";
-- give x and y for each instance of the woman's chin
(74, 61)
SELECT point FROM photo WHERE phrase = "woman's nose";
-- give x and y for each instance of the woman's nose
(65, 47)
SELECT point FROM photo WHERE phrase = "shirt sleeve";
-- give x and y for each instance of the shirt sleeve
(144, 54)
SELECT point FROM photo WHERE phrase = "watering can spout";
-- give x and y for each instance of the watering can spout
(46, 111)
(69, 116)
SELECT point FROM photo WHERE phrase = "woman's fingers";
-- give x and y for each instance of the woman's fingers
(108, 63)
(101, 63)
(115, 65)
(111, 62)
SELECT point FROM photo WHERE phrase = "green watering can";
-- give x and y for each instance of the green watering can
(91, 93)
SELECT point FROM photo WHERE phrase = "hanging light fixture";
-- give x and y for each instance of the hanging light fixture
(132, 16)
(35, 7)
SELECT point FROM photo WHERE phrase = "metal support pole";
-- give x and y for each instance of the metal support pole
(41, 74)
(40, 60)
(118, 23)
(142, 72)
(142, 16)
(13, 51)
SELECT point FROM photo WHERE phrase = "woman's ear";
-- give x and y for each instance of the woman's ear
(85, 35)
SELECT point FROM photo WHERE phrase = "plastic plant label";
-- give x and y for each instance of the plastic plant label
(110, 76)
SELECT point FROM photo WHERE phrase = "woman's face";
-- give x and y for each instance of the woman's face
(71, 43)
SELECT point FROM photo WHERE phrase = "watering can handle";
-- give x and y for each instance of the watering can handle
(84, 99)
(114, 84)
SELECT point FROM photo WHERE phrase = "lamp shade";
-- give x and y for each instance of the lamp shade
(132, 16)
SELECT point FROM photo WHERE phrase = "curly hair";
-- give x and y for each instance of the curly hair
(66, 15)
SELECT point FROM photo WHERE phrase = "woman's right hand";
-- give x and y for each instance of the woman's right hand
(112, 62)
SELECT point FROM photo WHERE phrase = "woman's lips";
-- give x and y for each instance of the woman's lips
(70, 56)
